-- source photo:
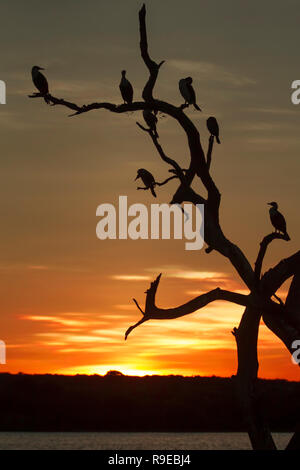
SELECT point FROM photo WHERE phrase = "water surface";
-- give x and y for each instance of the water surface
(134, 441)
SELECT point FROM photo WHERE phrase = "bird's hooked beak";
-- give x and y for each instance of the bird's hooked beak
(269, 203)
(137, 176)
(41, 68)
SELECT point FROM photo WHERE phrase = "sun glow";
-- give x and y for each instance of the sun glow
(102, 370)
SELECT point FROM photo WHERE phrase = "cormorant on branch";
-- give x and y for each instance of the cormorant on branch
(187, 92)
(213, 127)
(151, 121)
(277, 219)
(40, 82)
(147, 178)
(126, 88)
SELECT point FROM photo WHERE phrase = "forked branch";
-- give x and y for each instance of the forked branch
(276, 276)
(152, 66)
(263, 249)
(155, 313)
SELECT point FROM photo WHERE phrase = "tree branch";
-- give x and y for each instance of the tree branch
(209, 151)
(275, 277)
(157, 183)
(263, 248)
(166, 180)
(152, 66)
(152, 312)
(278, 322)
(177, 169)
(292, 303)
(213, 234)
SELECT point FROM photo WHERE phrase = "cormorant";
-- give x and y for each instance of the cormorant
(147, 178)
(277, 219)
(151, 121)
(40, 82)
(187, 91)
(213, 127)
(126, 88)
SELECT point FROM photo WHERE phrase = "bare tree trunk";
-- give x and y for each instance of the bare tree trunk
(246, 336)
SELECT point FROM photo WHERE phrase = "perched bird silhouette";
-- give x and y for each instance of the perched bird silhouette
(213, 127)
(277, 219)
(40, 82)
(187, 92)
(151, 121)
(126, 88)
(147, 178)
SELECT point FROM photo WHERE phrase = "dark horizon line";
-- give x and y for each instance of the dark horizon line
(120, 374)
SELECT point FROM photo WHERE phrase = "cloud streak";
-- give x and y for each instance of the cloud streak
(205, 71)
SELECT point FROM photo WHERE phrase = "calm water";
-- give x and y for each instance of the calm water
(134, 441)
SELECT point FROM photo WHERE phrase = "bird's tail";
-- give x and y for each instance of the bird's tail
(197, 107)
(46, 98)
(287, 235)
(218, 140)
(152, 191)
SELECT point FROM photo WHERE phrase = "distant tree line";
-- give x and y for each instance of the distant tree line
(121, 403)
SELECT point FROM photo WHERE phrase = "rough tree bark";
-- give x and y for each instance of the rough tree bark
(282, 319)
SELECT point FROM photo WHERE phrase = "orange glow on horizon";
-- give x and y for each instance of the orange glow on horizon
(93, 342)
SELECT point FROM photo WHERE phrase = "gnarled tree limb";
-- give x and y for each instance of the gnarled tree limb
(155, 313)
(276, 276)
(152, 66)
(263, 248)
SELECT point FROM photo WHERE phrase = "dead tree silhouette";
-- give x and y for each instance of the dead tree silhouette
(281, 318)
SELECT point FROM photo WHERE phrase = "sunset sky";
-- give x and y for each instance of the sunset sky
(66, 296)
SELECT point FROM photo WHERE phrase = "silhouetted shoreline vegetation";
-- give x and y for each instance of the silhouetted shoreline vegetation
(116, 402)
